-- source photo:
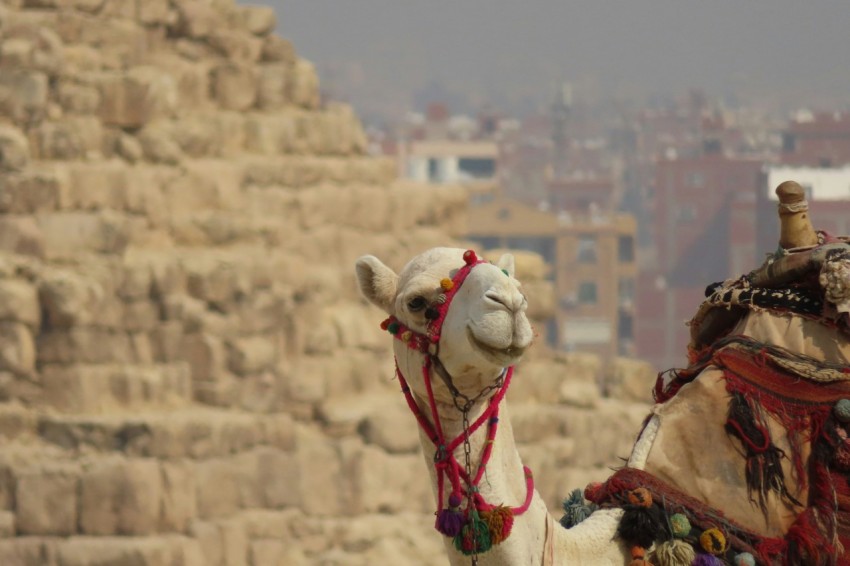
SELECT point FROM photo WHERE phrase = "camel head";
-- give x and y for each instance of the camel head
(482, 329)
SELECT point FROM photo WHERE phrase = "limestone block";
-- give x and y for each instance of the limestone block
(21, 235)
(533, 422)
(81, 59)
(14, 149)
(77, 98)
(69, 299)
(379, 478)
(159, 146)
(197, 19)
(209, 538)
(307, 381)
(392, 428)
(251, 355)
(305, 85)
(236, 45)
(19, 302)
(46, 500)
(129, 148)
(234, 543)
(135, 551)
(7, 526)
(259, 20)
(267, 552)
(193, 78)
(119, 496)
(629, 380)
(320, 473)
(28, 551)
(119, 43)
(276, 474)
(96, 389)
(179, 502)
(224, 485)
(206, 356)
(28, 45)
(17, 349)
(271, 134)
(67, 234)
(23, 94)
(137, 97)
(75, 137)
(155, 12)
(277, 50)
(273, 85)
(38, 188)
(166, 340)
(234, 85)
(604, 445)
(84, 345)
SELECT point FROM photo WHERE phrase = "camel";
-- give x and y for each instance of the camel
(741, 461)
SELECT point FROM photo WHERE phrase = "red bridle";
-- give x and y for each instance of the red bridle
(480, 525)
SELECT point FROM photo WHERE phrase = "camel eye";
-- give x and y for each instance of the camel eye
(417, 304)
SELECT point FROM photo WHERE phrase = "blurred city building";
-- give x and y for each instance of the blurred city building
(593, 268)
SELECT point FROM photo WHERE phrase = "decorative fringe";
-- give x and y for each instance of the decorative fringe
(474, 537)
(706, 560)
(811, 539)
(763, 469)
(499, 522)
(576, 509)
(449, 522)
(641, 526)
(673, 553)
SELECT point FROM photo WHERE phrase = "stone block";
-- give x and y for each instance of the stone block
(117, 43)
(273, 85)
(7, 526)
(66, 234)
(320, 474)
(629, 380)
(304, 88)
(137, 97)
(179, 501)
(77, 98)
(259, 20)
(46, 500)
(19, 302)
(129, 551)
(236, 45)
(84, 345)
(197, 19)
(234, 85)
(31, 46)
(379, 478)
(14, 149)
(17, 349)
(119, 496)
(224, 485)
(206, 356)
(155, 12)
(95, 389)
(158, 145)
(234, 541)
(267, 552)
(23, 95)
(277, 50)
(390, 429)
(36, 189)
(251, 355)
(271, 134)
(277, 473)
(72, 138)
(68, 299)
(28, 551)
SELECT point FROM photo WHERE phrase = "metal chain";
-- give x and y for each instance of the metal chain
(467, 456)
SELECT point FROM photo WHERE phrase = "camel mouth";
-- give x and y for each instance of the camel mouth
(499, 356)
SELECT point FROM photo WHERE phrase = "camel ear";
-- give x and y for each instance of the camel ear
(378, 283)
(506, 262)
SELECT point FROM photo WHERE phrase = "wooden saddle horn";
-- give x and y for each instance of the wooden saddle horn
(796, 229)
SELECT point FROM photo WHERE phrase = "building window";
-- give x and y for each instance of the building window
(625, 326)
(626, 249)
(626, 291)
(586, 248)
(685, 213)
(477, 168)
(433, 170)
(587, 293)
(695, 179)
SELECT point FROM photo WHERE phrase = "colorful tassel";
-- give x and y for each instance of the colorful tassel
(450, 521)
(639, 497)
(680, 526)
(841, 410)
(673, 553)
(575, 510)
(500, 521)
(446, 284)
(713, 541)
(474, 537)
(641, 526)
(706, 560)
(744, 559)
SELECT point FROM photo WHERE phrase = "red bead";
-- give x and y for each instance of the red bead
(469, 257)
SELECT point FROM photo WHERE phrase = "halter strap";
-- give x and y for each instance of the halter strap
(497, 520)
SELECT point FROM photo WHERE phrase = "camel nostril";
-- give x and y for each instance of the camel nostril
(498, 299)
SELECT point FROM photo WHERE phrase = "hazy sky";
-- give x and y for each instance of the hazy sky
(381, 53)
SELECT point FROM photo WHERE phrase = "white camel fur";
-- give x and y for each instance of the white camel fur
(485, 330)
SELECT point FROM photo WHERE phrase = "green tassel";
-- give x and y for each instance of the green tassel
(474, 537)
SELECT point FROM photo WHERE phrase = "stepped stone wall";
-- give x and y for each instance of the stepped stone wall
(187, 374)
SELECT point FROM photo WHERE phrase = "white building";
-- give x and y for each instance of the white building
(443, 161)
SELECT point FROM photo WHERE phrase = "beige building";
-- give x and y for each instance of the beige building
(593, 269)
